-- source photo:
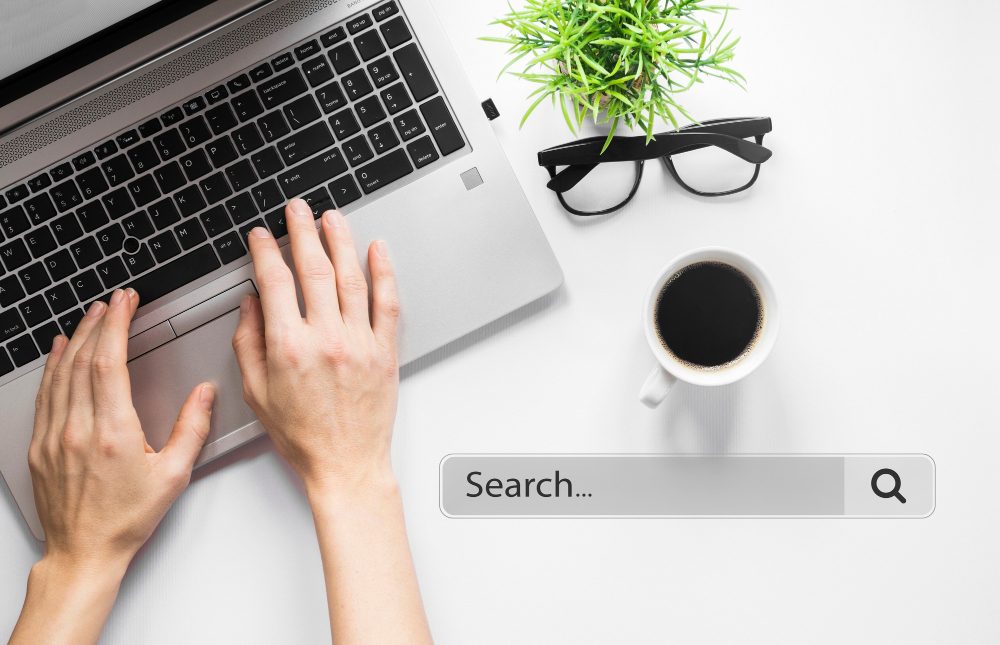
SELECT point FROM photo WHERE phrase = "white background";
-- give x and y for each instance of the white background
(877, 221)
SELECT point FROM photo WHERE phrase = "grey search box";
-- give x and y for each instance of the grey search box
(688, 486)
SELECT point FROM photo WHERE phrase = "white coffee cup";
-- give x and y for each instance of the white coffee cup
(670, 368)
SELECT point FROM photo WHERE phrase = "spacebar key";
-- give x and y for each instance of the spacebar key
(384, 171)
(176, 274)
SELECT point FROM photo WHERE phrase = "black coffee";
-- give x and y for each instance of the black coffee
(708, 314)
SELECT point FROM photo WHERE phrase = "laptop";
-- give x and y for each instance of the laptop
(140, 144)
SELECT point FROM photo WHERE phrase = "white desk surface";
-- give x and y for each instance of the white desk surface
(877, 221)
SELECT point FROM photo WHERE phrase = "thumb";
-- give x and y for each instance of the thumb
(191, 429)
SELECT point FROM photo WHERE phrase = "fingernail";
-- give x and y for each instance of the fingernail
(334, 218)
(132, 293)
(382, 249)
(261, 232)
(96, 309)
(207, 395)
(58, 343)
(117, 296)
(301, 208)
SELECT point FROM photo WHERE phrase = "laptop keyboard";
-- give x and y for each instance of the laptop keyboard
(170, 200)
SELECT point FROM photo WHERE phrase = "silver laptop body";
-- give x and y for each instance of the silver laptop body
(465, 242)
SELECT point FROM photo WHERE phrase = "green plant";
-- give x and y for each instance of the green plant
(618, 60)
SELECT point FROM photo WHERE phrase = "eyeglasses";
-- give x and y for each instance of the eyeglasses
(710, 159)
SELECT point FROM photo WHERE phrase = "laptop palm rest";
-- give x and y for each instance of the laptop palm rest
(162, 378)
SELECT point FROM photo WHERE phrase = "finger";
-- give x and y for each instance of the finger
(248, 343)
(352, 289)
(191, 429)
(110, 379)
(275, 283)
(312, 265)
(43, 400)
(385, 299)
(62, 377)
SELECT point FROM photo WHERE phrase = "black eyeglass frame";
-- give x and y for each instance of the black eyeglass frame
(583, 156)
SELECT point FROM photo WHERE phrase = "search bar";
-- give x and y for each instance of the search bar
(688, 486)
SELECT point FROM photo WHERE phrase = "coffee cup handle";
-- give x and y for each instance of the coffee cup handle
(656, 387)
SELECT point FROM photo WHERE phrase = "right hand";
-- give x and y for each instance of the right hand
(325, 385)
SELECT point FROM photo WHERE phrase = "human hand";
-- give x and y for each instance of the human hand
(325, 385)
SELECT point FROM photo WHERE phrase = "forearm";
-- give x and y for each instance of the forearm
(67, 603)
(371, 584)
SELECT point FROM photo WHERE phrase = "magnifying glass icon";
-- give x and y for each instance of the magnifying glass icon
(896, 484)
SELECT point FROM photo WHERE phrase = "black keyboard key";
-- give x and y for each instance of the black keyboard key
(267, 196)
(359, 23)
(164, 214)
(3, 202)
(6, 365)
(10, 291)
(11, 324)
(273, 126)
(331, 97)
(357, 85)
(317, 170)
(396, 98)
(259, 73)
(22, 350)
(143, 190)
(238, 84)
(14, 255)
(151, 127)
(190, 234)
(13, 222)
(106, 149)
(60, 265)
(383, 171)
(195, 105)
(306, 50)
(164, 246)
(370, 111)
(17, 193)
(39, 209)
(138, 225)
(267, 162)
(215, 188)
(66, 196)
(216, 221)
(282, 62)
(169, 144)
(86, 252)
(384, 11)
(247, 139)
(281, 88)
(111, 239)
(143, 157)
(442, 126)
(305, 143)
(246, 228)
(40, 242)
(112, 272)
(140, 261)
(67, 229)
(344, 191)
(275, 221)
(332, 37)
(44, 336)
(230, 247)
(91, 183)
(60, 298)
(176, 274)
(84, 161)
(127, 139)
(195, 131)
(221, 118)
(196, 165)
(358, 151)
(189, 201)
(301, 112)
(41, 182)
(317, 71)
(345, 124)
(247, 106)
(395, 32)
(34, 278)
(216, 94)
(169, 177)
(118, 203)
(241, 208)
(86, 285)
(241, 175)
(415, 72)
(34, 311)
(422, 152)
(319, 201)
(222, 152)
(344, 58)
(69, 321)
(60, 172)
(172, 116)
(383, 138)
(369, 45)
(383, 72)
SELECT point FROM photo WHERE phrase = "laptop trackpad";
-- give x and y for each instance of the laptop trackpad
(163, 378)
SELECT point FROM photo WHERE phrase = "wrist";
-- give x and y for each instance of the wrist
(88, 573)
(333, 494)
